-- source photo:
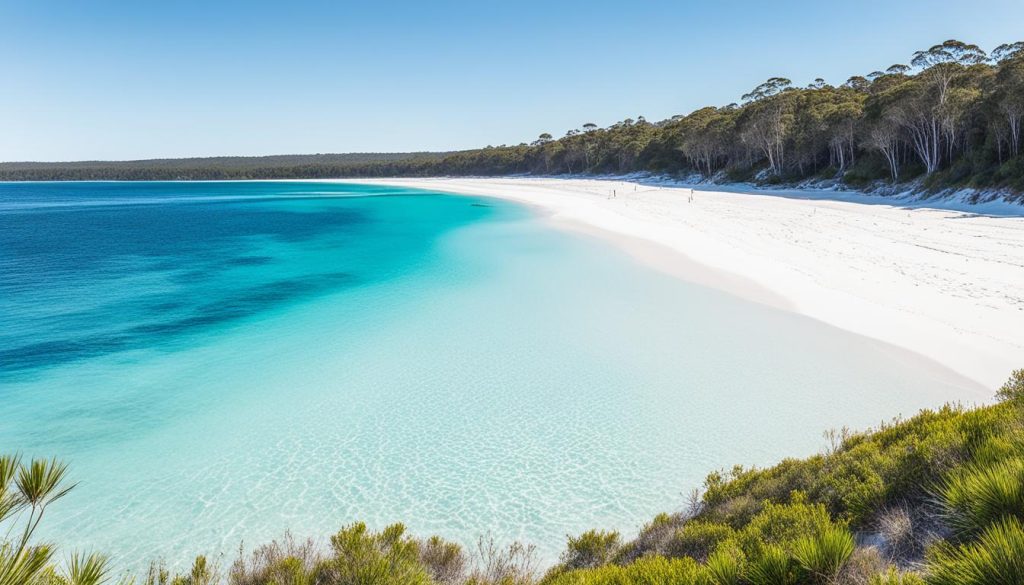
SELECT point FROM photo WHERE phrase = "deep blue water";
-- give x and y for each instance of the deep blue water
(90, 269)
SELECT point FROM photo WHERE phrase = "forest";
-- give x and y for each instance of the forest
(950, 117)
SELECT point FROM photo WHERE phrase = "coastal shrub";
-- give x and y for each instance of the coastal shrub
(1013, 389)
(780, 525)
(895, 577)
(283, 562)
(698, 539)
(590, 549)
(514, 564)
(361, 556)
(821, 557)
(996, 557)
(863, 567)
(203, 573)
(445, 562)
(651, 570)
(726, 566)
(773, 567)
(652, 538)
(980, 495)
(901, 461)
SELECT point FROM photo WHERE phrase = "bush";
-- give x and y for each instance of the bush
(981, 495)
(725, 567)
(698, 540)
(590, 549)
(821, 557)
(781, 525)
(1013, 389)
(285, 561)
(444, 561)
(652, 570)
(773, 567)
(997, 557)
(894, 577)
(388, 557)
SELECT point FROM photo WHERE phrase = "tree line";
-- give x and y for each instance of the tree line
(951, 117)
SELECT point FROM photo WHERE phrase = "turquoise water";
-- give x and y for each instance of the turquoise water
(222, 362)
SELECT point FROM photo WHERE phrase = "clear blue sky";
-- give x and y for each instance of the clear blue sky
(138, 79)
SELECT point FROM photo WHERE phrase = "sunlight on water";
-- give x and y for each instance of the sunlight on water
(224, 361)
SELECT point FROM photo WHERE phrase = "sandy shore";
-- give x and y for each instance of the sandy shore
(948, 285)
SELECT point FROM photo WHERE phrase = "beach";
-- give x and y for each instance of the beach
(947, 284)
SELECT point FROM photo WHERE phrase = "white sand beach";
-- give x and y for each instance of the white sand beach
(948, 285)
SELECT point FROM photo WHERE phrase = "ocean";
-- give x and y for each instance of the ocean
(222, 362)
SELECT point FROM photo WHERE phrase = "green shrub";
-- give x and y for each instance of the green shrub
(698, 539)
(362, 557)
(591, 549)
(996, 558)
(781, 525)
(444, 561)
(982, 494)
(894, 577)
(652, 570)
(725, 567)
(822, 556)
(1013, 389)
(773, 567)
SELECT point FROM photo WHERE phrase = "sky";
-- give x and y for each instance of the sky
(125, 80)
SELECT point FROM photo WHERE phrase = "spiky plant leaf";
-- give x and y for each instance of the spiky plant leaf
(980, 495)
(87, 569)
(996, 558)
(822, 556)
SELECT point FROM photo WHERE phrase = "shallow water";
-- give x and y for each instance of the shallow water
(225, 361)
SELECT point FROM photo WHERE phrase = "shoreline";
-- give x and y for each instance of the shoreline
(937, 282)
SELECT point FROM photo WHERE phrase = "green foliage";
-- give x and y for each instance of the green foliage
(783, 525)
(591, 549)
(26, 491)
(900, 462)
(822, 556)
(725, 567)
(773, 567)
(894, 577)
(698, 539)
(444, 561)
(646, 571)
(997, 557)
(362, 557)
(979, 495)
(1013, 389)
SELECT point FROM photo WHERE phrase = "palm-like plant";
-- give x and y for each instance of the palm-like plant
(822, 556)
(26, 491)
(980, 495)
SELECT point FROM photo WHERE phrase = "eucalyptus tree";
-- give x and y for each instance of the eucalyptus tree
(704, 139)
(769, 113)
(934, 110)
(1009, 94)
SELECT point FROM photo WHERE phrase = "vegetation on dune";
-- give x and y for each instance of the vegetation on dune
(952, 117)
(934, 500)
